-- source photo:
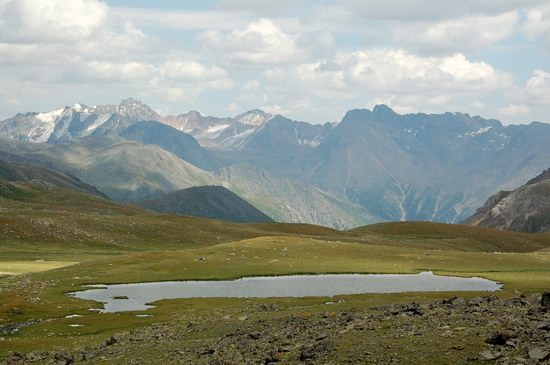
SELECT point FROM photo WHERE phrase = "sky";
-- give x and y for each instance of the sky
(308, 60)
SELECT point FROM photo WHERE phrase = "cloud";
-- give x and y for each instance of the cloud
(182, 19)
(232, 107)
(187, 70)
(82, 42)
(312, 59)
(457, 35)
(28, 21)
(396, 70)
(537, 88)
(514, 110)
(260, 7)
(117, 71)
(406, 81)
(263, 44)
(477, 104)
(428, 10)
(537, 23)
(260, 43)
(251, 86)
(41, 36)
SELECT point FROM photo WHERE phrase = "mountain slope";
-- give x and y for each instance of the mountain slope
(526, 209)
(279, 145)
(181, 144)
(123, 170)
(287, 200)
(214, 202)
(12, 173)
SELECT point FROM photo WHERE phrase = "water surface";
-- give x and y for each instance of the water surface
(326, 285)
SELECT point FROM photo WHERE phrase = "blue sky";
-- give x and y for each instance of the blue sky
(309, 60)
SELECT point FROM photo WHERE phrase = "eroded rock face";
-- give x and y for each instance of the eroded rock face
(525, 209)
(459, 330)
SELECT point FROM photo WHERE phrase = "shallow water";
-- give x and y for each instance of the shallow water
(277, 286)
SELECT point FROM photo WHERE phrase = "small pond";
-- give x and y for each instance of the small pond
(133, 297)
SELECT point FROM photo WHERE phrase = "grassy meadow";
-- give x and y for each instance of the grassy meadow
(48, 249)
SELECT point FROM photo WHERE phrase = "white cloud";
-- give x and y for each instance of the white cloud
(428, 10)
(13, 101)
(514, 110)
(17, 54)
(114, 42)
(537, 88)
(396, 70)
(50, 39)
(260, 43)
(113, 71)
(477, 104)
(457, 35)
(275, 109)
(232, 107)
(51, 20)
(187, 70)
(251, 86)
(537, 23)
(182, 19)
(263, 44)
(261, 7)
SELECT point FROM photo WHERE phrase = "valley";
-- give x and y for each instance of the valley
(103, 242)
(373, 166)
(258, 182)
(118, 194)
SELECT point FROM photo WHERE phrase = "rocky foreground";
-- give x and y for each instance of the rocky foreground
(453, 331)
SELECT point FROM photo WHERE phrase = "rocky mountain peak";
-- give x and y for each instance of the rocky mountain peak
(135, 109)
(194, 114)
(542, 177)
(383, 109)
(128, 102)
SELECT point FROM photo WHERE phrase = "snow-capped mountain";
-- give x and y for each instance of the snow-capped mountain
(224, 133)
(72, 123)
(80, 120)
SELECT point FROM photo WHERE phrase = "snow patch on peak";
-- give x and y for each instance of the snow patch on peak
(217, 128)
(483, 130)
(254, 117)
(478, 132)
(42, 130)
(50, 117)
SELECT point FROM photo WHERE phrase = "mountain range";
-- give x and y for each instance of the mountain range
(130, 171)
(372, 166)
